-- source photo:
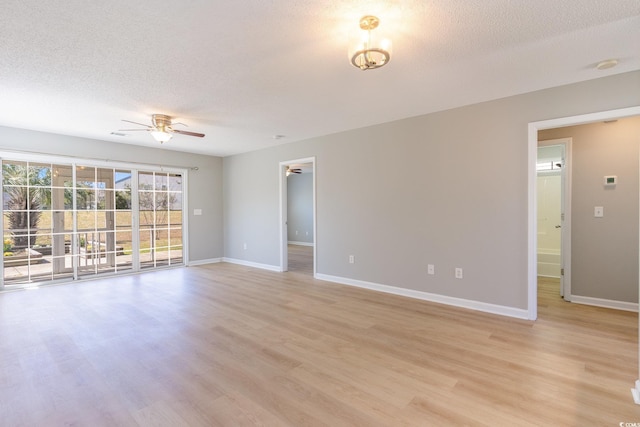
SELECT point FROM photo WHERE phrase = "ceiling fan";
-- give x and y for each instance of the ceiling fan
(161, 128)
(293, 170)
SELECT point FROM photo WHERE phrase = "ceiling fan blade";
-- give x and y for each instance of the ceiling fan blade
(136, 123)
(134, 130)
(184, 132)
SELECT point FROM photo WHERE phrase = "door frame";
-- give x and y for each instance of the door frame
(284, 238)
(532, 156)
(565, 221)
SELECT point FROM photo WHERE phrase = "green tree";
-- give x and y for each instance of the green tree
(27, 190)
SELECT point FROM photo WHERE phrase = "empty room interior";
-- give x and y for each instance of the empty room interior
(320, 213)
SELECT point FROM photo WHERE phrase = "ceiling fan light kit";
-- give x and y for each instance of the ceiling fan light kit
(161, 136)
(293, 171)
(161, 128)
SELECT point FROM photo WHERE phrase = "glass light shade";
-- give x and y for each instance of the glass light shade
(161, 136)
(368, 46)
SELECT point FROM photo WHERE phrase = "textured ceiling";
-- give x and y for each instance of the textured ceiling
(242, 72)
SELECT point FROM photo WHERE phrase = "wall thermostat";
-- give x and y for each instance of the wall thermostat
(610, 181)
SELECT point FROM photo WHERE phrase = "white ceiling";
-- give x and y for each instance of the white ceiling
(244, 71)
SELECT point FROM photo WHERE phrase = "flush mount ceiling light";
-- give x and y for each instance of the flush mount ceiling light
(368, 49)
(605, 65)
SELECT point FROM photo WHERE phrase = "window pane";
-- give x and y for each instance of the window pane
(145, 181)
(62, 176)
(175, 201)
(39, 175)
(147, 218)
(161, 183)
(123, 219)
(162, 201)
(85, 177)
(124, 241)
(175, 182)
(176, 218)
(175, 237)
(105, 178)
(102, 219)
(39, 198)
(43, 223)
(146, 200)
(14, 173)
(123, 199)
(105, 199)
(68, 198)
(145, 239)
(15, 198)
(86, 220)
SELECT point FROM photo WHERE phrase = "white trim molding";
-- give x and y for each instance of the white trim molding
(203, 262)
(635, 392)
(282, 167)
(269, 267)
(426, 296)
(291, 242)
(606, 303)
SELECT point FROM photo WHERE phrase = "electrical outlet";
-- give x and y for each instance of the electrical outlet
(245, 246)
(458, 273)
(431, 269)
(296, 232)
(352, 259)
(307, 233)
(598, 212)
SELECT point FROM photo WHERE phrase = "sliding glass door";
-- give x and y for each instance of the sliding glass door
(103, 219)
(37, 229)
(69, 221)
(160, 206)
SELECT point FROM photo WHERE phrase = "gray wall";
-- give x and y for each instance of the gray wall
(300, 207)
(604, 251)
(205, 184)
(448, 188)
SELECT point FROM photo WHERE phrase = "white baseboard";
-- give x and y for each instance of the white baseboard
(426, 296)
(269, 267)
(550, 277)
(606, 303)
(204, 262)
(291, 242)
(635, 392)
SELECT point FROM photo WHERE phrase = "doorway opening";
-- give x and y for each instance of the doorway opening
(553, 168)
(533, 129)
(298, 244)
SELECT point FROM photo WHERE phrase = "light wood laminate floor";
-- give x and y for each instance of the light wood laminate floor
(234, 346)
(300, 259)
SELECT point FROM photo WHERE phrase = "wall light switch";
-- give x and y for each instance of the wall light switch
(197, 212)
(598, 212)
(431, 269)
